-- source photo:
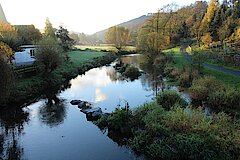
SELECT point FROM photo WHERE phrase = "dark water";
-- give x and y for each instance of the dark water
(61, 132)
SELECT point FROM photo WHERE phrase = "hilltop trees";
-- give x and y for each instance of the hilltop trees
(216, 23)
(118, 36)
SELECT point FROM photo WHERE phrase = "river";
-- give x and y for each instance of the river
(40, 132)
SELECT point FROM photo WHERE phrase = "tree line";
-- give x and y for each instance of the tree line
(200, 22)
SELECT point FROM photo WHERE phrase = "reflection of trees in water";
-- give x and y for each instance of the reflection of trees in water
(133, 60)
(114, 75)
(53, 115)
(153, 79)
(12, 123)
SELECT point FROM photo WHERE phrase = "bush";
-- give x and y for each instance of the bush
(181, 133)
(224, 99)
(198, 93)
(202, 87)
(118, 120)
(169, 98)
(184, 80)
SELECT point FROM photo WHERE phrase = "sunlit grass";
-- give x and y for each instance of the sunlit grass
(179, 59)
(84, 56)
(105, 48)
(226, 78)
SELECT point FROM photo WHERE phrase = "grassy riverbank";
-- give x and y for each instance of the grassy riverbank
(226, 78)
(173, 132)
(28, 88)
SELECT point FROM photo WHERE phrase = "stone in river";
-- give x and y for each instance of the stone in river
(84, 105)
(75, 102)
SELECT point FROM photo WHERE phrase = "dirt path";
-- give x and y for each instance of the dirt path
(222, 69)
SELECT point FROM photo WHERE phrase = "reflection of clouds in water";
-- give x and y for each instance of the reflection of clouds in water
(99, 95)
(96, 77)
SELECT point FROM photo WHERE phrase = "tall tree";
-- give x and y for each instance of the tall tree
(28, 34)
(65, 41)
(48, 56)
(9, 35)
(118, 36)
(49, 31)
(6, 72)
(207, 25)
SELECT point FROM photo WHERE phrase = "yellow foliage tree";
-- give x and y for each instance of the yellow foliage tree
(6, 53)
(207, 39)
(118, 36)
(9, 35)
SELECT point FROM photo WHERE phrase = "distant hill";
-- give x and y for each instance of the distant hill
(132, 25)
(2, 15)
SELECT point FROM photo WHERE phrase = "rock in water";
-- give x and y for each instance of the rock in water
(84, 105)
(93, 113)
(75, 102)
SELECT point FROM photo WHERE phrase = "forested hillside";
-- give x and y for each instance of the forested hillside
(209, 25)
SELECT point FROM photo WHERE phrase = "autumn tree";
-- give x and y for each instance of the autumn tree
(65, 41)
(49, 31)
(6, 72)
(207, 24)
(118, 36)
(207, 39)
(9, 35)
(155, 35)
(6, 52)
(28, 34)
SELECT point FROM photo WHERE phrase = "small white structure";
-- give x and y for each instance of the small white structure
(26, 56)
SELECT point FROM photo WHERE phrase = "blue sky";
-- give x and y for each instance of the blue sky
(88, 16)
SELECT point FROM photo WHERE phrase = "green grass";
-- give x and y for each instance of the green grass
(227, 78)
(228, 66)
(180, 61)
(106, 48)
(78, 57)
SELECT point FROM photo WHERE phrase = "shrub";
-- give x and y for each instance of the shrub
(198, 93)
(169, 98)
(202, 87)
(168, 70)
(209, 82)
(184, 80)
(139, 142)
(228, 98)
(174, 73)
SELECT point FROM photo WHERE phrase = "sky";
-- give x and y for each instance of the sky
(88, 16)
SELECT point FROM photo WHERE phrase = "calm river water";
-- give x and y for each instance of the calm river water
(62, 132)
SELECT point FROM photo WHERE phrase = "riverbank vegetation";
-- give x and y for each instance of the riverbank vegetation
(175, 132)
(168, 127)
